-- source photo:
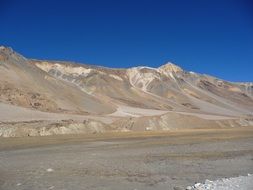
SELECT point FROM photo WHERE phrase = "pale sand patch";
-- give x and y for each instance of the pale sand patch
(11, 113)
(126, 111)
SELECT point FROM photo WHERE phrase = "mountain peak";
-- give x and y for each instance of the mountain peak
(7, 53)
(4, 49)
(170, 67)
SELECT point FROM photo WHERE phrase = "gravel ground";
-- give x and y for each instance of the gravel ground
(236, 183)
(172, 161)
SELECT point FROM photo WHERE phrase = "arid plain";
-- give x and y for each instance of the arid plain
(144, 160)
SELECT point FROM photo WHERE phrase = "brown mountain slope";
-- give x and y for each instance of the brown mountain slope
(86, 98)
(165, 88)
(24, 84)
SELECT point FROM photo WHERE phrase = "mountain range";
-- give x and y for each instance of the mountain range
(41, 97)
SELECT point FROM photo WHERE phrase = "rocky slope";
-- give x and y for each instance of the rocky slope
(139, 98)
(26, 85)
(167, 87)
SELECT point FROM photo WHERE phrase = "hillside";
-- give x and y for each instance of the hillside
(139, 98)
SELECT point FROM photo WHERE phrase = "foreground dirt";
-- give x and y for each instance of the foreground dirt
(163, 160)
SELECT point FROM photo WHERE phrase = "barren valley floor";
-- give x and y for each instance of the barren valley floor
(127, 161)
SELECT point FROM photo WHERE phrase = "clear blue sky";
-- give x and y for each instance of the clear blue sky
(206, 36)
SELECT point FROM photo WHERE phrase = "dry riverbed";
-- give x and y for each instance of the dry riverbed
(127, 161)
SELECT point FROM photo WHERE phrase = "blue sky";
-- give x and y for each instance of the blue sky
(206, 36)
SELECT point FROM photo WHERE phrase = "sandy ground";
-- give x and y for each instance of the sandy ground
(15, 113)
(125, 161)
(125, 111)
(10, 113)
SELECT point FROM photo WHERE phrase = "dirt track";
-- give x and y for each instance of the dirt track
(126, 160)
